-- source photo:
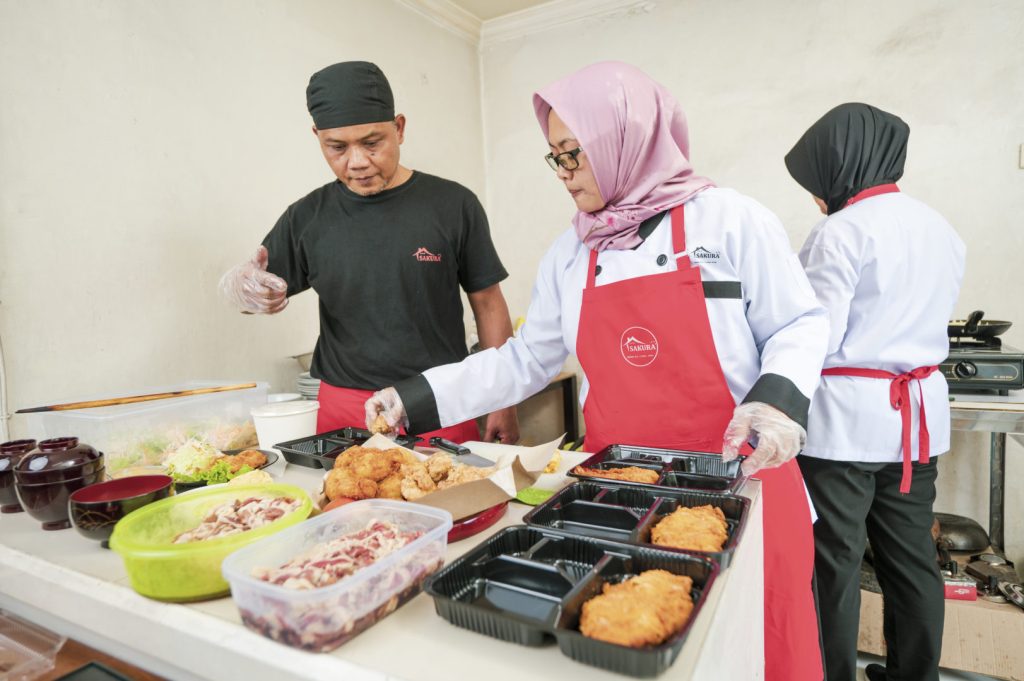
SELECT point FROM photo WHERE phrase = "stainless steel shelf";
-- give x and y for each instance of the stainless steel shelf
(998, 415)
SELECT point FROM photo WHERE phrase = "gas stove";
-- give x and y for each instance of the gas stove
(983, 366)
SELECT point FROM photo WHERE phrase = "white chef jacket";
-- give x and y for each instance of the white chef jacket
(774, 325)
(888, 268)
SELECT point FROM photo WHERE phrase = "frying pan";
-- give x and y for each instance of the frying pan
(975, 327)
(958, 533)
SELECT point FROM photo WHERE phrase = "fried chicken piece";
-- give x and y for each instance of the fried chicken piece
(253, 458)
(439, 466)
(628, 473)
(701, 528)
(461, 474)
(364, 462)
(390, 487)
(341, 483)
(380, 425)
(416, 481)
(642, 611)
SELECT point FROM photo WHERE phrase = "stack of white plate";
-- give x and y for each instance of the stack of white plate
(308, 386)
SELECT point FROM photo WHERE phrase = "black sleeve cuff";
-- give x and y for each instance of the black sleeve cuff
(781, 393)
(420, 404)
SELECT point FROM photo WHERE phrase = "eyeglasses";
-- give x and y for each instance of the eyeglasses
(567, 159)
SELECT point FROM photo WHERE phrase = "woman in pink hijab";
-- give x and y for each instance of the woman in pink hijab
(692, 320)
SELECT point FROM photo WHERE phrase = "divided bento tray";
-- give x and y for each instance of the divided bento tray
(526, 585)
(678, 469)
(319, 451)
(626, 514)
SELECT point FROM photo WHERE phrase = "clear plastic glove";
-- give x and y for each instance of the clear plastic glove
(252, 289)
(388, 404)
(779, 438)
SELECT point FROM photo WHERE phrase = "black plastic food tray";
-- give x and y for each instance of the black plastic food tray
(627, 514)
(677, 469)
(319, 451)
(527, 586)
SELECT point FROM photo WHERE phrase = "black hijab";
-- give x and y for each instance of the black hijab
(849, 149)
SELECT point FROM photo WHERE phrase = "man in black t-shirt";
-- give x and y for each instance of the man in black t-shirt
(387, 249)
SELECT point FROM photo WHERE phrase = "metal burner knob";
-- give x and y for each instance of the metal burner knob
(965, 370)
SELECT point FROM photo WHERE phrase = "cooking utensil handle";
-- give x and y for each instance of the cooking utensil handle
(971, 325)
(448, 446)
(133, 399)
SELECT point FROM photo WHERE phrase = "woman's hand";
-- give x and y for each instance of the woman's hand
(779, 438)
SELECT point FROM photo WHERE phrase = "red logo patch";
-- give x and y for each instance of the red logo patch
(639, 346)
(423, 255)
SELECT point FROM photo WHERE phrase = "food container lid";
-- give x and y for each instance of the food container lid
(60, 452)
(16, 447)
(285, 408)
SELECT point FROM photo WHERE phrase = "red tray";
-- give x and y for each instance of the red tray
(477, 523)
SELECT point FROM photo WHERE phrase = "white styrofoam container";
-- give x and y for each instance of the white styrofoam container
(322, 619)
(142, 433)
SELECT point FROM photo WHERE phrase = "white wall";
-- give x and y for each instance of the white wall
(148, 146)
(752, 76)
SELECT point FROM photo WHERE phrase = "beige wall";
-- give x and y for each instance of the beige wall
(145, 147)
(752, 76)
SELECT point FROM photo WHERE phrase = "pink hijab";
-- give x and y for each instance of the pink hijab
(635, 136)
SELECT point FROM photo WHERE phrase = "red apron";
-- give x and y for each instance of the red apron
(646, 347)
(899, 398)
(344, 407)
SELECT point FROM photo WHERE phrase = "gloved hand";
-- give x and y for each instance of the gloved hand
(387, 403)
(250, 288)
(779, 438)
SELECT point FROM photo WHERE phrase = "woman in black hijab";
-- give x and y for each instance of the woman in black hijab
(888, 269)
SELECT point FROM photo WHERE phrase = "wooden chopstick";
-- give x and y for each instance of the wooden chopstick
(136, 398)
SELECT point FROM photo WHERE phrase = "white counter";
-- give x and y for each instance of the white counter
(71, 585)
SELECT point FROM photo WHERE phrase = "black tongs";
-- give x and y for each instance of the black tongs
(462, 454)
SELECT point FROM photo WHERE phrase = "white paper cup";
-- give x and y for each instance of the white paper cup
(283, 421)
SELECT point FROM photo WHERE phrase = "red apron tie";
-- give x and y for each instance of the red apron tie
(899, 398)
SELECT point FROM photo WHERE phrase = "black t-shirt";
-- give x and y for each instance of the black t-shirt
(387, 268)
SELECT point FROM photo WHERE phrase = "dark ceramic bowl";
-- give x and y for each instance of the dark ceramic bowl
(10, 453)
(62, 458)
(48, 502)
(95, 509)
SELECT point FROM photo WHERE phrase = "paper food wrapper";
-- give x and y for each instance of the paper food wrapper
(518, 468)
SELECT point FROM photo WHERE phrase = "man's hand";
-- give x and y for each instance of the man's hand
(502, 425)
(252, 289)
(779, 438)
(388, 404)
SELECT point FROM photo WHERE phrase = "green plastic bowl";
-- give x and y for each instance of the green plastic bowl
(191, 572)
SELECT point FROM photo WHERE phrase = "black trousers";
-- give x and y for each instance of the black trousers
(855, 501)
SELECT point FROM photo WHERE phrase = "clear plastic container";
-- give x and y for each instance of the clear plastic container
(27, 651)
(143, 433)
(160, 569)
(322, 619)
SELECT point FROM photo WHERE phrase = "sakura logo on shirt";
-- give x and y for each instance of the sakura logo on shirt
(701, 254)
(423, 255)
(639, 346)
